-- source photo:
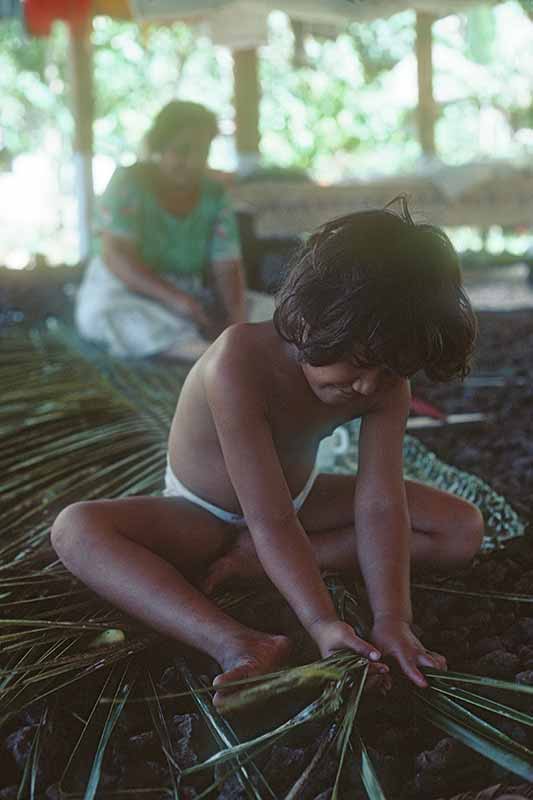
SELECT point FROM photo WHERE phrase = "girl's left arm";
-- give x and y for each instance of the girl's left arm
(382, 523)
(384, 535)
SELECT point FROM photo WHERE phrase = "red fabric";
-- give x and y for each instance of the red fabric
(419, 406)
(40, 14)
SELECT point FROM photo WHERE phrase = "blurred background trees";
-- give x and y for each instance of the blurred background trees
(337, 107)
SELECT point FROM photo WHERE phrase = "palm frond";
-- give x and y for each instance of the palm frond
(368, 775)
(103, 729)
(328, 737)
(476, 733)
(28, 782)
(345, 729)
(75, 425)
(226, 738)
(329, 702)
(160, 725)
(479, 680)
(513, 598)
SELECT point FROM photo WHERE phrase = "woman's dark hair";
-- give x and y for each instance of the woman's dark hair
(176, 116)
(379, 289)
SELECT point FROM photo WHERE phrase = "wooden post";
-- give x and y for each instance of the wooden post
(426, 103)
(247, 96)
(82, 108)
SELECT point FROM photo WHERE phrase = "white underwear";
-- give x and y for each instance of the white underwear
(175, 488)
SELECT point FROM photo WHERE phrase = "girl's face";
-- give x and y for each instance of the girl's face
(344, 382)
(184, 159)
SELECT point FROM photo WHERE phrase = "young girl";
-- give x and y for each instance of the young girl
(371, 299)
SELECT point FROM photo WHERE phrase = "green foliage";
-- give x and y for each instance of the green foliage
(480, 34)
(383, 44)
(324, 115)
(32, 86)
(350, 110)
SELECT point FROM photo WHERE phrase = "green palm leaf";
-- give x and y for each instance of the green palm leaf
(103, 728)
(369, 779)
(475, 732)
(158, 719)
(29, 775)
(226, 738)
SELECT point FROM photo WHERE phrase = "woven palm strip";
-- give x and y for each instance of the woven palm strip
(500, 792)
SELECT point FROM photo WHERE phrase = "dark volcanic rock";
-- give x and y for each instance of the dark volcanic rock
(498, 664)
(231, 788)
(444, 767)
(525, 677)
(525, 655)
(284, 767)
(488, 645)
(19, 744)
(182, 729)
(523, 630)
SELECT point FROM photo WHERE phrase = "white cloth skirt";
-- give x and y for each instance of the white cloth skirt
(128, 324)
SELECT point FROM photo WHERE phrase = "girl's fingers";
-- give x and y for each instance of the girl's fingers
(366, 649)
(409, 668)
(429, 659)
(443, 664)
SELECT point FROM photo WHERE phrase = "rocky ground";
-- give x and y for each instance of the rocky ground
(414, 761)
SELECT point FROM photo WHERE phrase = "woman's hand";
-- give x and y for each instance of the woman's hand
(184, 303)
(395, 638)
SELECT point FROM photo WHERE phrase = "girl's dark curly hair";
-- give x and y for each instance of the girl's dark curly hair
(377, 288)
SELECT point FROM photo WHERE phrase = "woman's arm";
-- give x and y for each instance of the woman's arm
(121, 257)
(230, 284)
(226, 263)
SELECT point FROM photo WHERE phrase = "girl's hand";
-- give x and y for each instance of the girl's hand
(395, 638)
(332, 635)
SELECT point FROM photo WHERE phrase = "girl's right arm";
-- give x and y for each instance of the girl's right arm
(236, 398)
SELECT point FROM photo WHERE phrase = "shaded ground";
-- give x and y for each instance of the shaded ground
(500, 451)
(414, 761)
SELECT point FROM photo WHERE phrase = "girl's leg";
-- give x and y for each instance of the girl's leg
(135, 552)
(447, 531)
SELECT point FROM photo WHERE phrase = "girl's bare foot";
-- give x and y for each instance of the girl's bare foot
(256, 656)
(240, 563)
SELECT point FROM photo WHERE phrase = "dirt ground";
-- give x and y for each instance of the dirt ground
(481, 636)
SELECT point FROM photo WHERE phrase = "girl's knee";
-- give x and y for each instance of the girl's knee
(74, 521)
(472, 530)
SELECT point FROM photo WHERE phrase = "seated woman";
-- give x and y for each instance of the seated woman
(167, 277)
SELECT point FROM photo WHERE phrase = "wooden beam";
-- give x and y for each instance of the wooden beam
(426, 102)
(82, 109)
(246, 98)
